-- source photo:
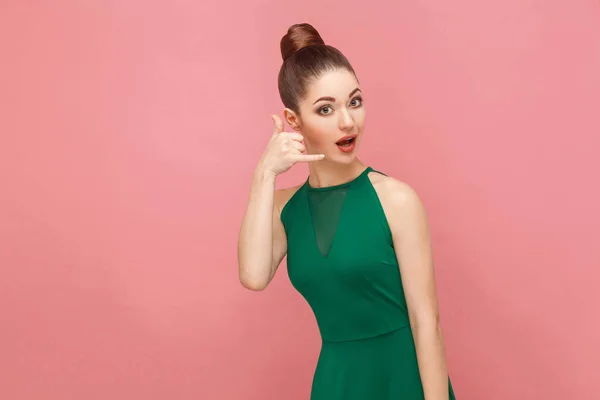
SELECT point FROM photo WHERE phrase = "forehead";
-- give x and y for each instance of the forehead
(338, 84)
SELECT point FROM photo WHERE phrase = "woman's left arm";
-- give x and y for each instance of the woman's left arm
(410, 232)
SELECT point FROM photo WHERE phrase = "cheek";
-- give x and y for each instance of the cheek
(359, 117)
(320, 131)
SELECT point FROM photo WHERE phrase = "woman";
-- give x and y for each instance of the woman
(357, 241)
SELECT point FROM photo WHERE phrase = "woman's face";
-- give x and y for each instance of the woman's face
(332, 116)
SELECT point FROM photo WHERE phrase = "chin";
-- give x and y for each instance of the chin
(338, 157)
(345, 159)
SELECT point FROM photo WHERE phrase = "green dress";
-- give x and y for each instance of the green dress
(341, 259)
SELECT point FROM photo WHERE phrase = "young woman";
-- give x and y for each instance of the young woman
(357, 241)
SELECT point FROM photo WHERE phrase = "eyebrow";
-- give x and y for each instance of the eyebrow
(333, 99)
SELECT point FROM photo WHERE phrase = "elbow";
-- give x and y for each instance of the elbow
(249, 277)
(253, 284)
(426, 322)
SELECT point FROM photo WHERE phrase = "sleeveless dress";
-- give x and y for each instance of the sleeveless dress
(341, 259)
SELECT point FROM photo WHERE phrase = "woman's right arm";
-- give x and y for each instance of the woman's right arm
(262, 243)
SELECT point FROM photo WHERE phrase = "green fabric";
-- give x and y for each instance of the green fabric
(325, 209)
(341, 259)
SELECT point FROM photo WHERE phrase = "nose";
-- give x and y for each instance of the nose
(346, 120)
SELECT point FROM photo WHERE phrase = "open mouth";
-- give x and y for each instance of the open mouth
(347, 144)
(346, 141)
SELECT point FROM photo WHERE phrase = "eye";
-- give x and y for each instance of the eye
(322, 110)
(357, 101)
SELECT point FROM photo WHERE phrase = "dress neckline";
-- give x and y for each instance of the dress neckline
(338, 186)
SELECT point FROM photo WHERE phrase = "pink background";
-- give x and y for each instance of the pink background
(129, 131)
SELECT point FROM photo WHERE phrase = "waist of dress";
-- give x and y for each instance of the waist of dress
(327, 337)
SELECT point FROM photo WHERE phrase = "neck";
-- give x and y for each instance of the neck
(325, 173)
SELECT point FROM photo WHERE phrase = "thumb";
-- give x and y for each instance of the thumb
(278, 124)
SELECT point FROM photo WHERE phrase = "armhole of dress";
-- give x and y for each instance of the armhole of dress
(378, 172)
(286, 206)
(382, 213)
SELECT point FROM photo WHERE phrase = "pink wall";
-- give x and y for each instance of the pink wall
(118, 232)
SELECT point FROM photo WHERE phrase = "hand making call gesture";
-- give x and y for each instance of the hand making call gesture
(285, 149)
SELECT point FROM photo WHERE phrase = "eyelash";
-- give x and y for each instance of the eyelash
(359, 98)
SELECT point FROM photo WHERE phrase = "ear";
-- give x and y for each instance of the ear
(292, 119)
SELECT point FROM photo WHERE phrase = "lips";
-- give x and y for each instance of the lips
(346, 140)
(347, 144)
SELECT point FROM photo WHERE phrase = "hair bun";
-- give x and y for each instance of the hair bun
(298, 37)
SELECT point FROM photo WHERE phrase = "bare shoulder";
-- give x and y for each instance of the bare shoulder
(394, 191)
(282, 196)
(397, 198)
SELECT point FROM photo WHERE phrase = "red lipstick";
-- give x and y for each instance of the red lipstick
(347, 143)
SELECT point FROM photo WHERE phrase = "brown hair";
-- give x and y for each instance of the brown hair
(305, 57)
